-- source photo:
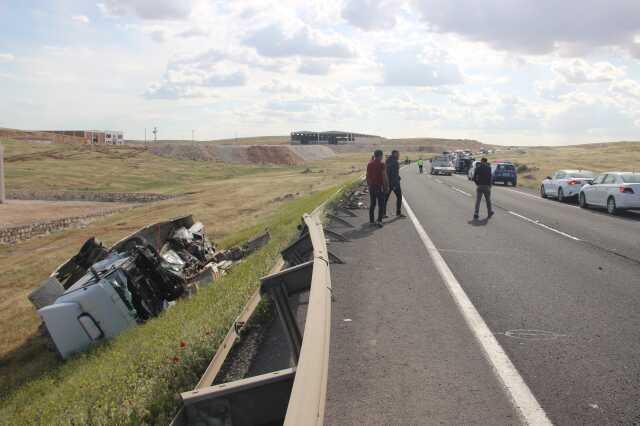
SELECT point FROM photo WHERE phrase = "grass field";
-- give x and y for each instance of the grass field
(227, 199)
(135, 377)
(543, 161)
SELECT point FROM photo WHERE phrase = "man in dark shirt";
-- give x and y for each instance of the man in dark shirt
(375, 180)
(483, 180)
(393, 171)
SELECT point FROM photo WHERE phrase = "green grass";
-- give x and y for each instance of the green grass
(135, 378)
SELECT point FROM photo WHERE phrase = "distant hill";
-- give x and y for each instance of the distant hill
(257, 140)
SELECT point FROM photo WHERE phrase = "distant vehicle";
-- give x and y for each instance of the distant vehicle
(614, 190)
(565, 184)
(504, 172)
(472, 170)
(442, 166)
(463, 164)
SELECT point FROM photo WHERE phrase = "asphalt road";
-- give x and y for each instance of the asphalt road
(558, 286)
(400, 353)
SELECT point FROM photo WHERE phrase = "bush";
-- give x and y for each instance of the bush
(136, 377)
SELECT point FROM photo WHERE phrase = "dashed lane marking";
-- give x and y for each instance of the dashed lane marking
(455, 188)
(542, 225)
(521, 397)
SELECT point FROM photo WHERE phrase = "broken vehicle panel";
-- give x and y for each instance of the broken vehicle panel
(100, 292)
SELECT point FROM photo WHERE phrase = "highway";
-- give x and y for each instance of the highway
(557, 286)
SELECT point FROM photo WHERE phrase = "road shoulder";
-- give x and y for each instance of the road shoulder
(401, 352)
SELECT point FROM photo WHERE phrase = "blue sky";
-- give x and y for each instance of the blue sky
(521, 72)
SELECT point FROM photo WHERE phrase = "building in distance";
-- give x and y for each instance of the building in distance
(304, 137)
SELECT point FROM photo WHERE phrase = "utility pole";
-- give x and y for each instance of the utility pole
(155, 134)
(1, 174)
(145, 135)
(192, 135)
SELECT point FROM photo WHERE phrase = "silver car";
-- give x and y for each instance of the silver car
(565, 184)
(614, 190)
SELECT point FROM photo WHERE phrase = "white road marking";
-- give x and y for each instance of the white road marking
(455, 188)
(521, 396)
(537, 222)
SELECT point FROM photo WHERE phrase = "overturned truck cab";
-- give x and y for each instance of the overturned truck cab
(100, 292)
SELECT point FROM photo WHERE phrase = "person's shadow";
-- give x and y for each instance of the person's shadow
(479, 222)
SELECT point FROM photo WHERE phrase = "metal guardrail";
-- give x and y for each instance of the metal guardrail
(308, 395)
(295, 396)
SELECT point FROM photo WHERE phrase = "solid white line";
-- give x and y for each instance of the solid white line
(455, 188)
(521, 397)
(537, 222)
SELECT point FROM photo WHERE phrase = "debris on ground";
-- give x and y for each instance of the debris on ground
(100, 292)
(355, 198)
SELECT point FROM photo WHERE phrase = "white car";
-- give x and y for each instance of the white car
(565, 184)
(442, 166)
(614, 190)
(472, 170)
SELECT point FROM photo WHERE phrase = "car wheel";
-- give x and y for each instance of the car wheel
(611, 206)
(561, 195)
(514, 183)
(543, 193)
(582, 201)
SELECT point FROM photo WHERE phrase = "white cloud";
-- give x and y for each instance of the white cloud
(629, 88)
(6, 57)
(147, 9)
(81, 19)
(274, 41)
(537, 27)
(159, 36)
(370, 15)
(314, 67)
(193, 32)
(552, 89)
(580, 71)
(410, 68)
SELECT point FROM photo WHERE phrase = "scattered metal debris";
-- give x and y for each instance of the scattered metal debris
(355, 199)
(100, 292)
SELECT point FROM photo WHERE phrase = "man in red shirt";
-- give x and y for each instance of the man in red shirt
(375, 180)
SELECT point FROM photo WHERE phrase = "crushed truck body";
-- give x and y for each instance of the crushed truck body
(101, 292)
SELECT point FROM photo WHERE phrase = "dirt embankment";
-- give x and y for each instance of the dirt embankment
(244, 154)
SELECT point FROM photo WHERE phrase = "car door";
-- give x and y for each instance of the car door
(609, 185)
(556, 182)
(591, 192)
(547, 184)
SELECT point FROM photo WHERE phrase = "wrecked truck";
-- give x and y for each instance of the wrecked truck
(101, 292)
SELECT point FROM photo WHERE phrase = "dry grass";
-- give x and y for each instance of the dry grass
(543, 161)
(227, 200)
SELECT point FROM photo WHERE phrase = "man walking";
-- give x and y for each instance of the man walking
(393, 172)
(375, 180)
(482, 178)
(420, 165)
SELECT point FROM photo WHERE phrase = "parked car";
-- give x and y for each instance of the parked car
(504, 172)
(614, 190)
(565, 184)
(442, 166)
(472, 170)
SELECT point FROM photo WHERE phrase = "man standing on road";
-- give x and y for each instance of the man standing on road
(393, 171)
(482, 178)
(375, 180)
(420, 165)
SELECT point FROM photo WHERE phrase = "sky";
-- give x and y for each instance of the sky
(513, 72)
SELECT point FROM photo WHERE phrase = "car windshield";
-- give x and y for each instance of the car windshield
(581, 174)
(440, 163)
(505, 167)
(631, 178)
